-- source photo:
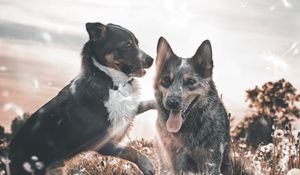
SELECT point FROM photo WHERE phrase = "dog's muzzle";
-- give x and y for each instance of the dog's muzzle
(145, 64)
(190, 107)
(177, 117)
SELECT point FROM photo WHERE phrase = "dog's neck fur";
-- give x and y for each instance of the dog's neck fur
(91, 66)
(122, 103)
(118, 77)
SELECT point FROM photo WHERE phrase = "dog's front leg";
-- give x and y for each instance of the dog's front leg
(130, 154)
(146, 105)
(214, 164)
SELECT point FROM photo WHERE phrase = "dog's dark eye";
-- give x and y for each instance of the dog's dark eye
(166, 81)
(189, 82)
(118, 64)
(127, 46)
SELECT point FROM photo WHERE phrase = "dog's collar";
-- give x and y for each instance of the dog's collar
(119, 78)
(114, 87)
(190, 107)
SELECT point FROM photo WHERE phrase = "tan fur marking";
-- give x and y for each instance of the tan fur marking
(111, 62)
(187, 76)
(103, 31)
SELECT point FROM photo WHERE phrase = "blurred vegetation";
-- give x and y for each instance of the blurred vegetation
(273, 105)
(276, 100)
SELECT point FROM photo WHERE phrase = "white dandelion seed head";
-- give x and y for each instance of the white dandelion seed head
(27, 167)
(126, 166)
(278, 133)
(34, 158)
(39, 165)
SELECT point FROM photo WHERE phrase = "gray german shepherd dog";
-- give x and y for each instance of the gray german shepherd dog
(192, 122)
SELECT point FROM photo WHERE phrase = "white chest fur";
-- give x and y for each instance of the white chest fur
(122, 104)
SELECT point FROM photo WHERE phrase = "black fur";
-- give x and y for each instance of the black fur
(76, 121)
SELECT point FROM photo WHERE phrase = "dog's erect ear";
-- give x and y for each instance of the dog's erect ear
(164, 51)
(203, 59)
(97, 31)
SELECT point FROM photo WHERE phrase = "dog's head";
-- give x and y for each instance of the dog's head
(116, 47)
(182, 83)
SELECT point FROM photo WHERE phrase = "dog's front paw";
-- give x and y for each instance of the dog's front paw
(145, 165)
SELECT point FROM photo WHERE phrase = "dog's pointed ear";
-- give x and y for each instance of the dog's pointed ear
(96, 31)
(202, 59)
(164, 50)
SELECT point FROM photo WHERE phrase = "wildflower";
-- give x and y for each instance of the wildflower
(271, 146)
(39, 165)
(113, 162)
(265, 148)
(82, 169)
(278, 133)
(256, 165)
(28, 167)
(242, 145)
(126, 166)
(294, 172)
(34, 158)
(247, 154)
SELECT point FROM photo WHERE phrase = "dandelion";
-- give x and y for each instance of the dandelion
(294, 172)
(34, 158)
(126, 166)
(113, 162)
(256, 164)
(247, 154)
(242, 145)
(39, 165)
(278, 133)
(265, 148)
(28, 167)
(271, 146)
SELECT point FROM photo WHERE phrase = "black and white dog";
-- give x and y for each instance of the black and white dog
(93, 112)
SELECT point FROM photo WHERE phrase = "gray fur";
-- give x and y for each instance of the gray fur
(202, 145)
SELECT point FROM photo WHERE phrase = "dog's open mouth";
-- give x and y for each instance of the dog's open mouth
(176, 117)
(141, 72)
(174, 121)
(138, 73)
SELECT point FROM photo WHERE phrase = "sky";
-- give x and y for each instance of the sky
(40, 43)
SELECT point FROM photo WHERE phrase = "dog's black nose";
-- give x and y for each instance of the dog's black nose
(149, 61)
(173, 102)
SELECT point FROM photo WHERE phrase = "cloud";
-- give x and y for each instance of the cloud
(27, 33)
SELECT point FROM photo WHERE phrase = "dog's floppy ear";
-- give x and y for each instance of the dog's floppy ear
(202, 59)
(96, 30)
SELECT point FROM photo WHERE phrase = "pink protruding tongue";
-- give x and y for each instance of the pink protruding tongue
(174, 121)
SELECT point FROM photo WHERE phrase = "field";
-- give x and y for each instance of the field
(281, 156)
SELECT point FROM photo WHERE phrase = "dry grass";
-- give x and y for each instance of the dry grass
(275, 158)
(282, 156)
(91, 163)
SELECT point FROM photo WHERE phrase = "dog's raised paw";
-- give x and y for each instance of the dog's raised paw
(145, 165)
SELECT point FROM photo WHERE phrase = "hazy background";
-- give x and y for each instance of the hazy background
(40, 42)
